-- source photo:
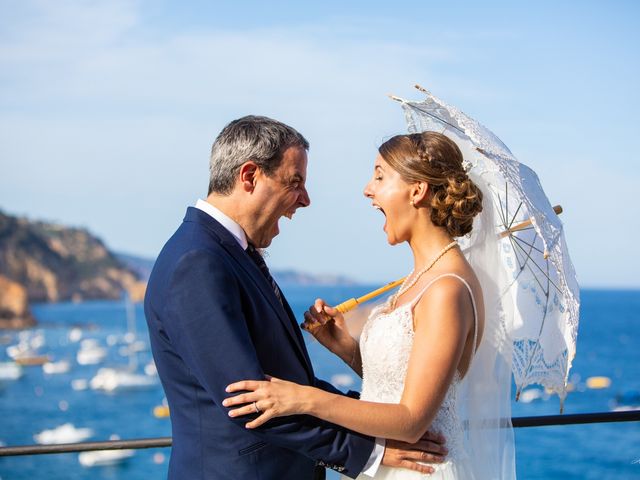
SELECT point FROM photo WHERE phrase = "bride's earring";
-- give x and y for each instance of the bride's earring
(412, 203)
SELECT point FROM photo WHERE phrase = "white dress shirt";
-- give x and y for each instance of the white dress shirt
(371, 467)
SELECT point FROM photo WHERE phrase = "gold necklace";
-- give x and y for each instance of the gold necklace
(406, 286)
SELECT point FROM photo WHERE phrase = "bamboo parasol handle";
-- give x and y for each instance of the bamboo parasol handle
(353, 303)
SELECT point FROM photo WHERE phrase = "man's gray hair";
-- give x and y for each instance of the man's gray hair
(259, 139)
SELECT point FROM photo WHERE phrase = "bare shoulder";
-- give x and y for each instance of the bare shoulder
(445, 290)
(448, 300)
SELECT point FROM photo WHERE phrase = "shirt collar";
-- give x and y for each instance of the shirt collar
(233, 228)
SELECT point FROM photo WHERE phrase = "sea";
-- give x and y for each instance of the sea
(608, 347)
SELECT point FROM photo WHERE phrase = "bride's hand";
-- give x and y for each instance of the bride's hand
(270, 398)
(327, 325)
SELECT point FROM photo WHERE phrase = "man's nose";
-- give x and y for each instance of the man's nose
(304, 200)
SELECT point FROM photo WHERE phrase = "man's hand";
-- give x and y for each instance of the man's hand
(429, 449)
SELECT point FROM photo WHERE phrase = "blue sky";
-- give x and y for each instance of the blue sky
(108, 111)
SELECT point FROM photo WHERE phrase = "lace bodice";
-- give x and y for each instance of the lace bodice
(385, 346)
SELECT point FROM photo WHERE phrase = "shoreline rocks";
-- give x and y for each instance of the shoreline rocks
(14, 306)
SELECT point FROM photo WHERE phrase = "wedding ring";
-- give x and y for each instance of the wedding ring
(255, 405)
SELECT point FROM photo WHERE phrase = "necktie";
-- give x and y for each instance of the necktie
(259, 261)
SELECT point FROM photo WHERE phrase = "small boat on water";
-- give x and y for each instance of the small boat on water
(90, 352)
(532, 394)
(626, 401)
(162, 411)
(21, 350)
(102, 458)
(79, 384)
(118, 379)
(10, 371)
(66, 433)
(121, 379)
(25, 352)
(598, 383)
(53, 368)
(150, 369)
(29, 361)
(75, 334)
(342, 380)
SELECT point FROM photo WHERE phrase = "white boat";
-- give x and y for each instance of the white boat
(133, 347)
(75, 334)
(117, 379)
(342, 380)
(121, 379)
(36, 340)
(10, 371)
(150, 369)
(21, 350)
(532, 394)
(90, 352)
(52, 368)
(79, 384)
(66, 433)
(24, 354)
(100, 458)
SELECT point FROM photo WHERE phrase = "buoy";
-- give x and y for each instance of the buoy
(596, 383)
(161, 411)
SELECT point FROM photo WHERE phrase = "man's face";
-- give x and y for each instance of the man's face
(279, 195)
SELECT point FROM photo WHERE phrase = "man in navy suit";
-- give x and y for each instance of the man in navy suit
(216, 315)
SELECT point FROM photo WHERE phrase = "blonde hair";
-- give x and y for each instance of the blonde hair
(434, 158)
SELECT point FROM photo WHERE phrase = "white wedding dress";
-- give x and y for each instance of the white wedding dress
(385, 346)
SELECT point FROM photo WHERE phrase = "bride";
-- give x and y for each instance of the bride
(417, 349)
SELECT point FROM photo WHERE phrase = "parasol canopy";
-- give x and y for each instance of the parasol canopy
(536, 280)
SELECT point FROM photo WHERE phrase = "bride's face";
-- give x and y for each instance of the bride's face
(390, 194)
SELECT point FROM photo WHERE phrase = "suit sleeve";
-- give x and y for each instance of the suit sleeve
(207, 328)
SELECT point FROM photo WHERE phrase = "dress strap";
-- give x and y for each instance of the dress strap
(473, 302)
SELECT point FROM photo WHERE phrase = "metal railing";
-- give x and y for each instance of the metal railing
(161, 442)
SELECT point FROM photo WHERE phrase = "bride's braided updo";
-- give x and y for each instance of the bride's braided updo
(434, 158)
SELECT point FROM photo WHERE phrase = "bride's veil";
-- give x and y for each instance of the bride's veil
(485, 391)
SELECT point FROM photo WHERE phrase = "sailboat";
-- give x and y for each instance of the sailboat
(117, 379)
(25, 352)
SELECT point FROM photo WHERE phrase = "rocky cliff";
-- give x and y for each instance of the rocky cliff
(14, 308)
(57, 263)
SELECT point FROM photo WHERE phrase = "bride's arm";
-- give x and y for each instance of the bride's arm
(440, 335)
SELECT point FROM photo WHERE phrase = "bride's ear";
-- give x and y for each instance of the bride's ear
(419, 194)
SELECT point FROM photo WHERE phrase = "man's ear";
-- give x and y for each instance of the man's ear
(420, 193)
(248, 175)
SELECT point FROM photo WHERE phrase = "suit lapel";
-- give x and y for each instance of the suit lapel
(298, 334)
(283, 310)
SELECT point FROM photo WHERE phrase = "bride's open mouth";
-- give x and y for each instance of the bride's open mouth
(377, 207)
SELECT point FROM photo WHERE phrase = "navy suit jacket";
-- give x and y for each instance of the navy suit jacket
(214, 319)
